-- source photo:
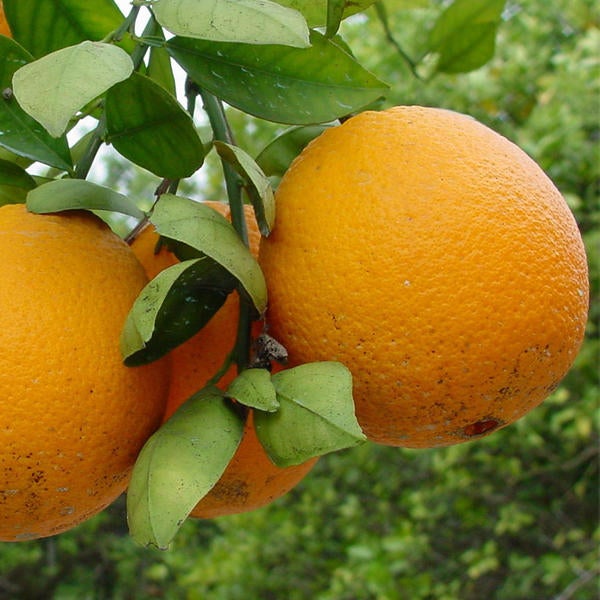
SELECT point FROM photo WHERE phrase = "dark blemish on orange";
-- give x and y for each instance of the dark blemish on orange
(481, 427)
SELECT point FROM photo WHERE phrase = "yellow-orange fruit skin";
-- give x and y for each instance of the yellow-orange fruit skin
(437, 261)
(4, 28)
(73, 416)
(251, 480)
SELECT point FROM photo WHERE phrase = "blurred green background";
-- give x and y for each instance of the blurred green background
(514, 516)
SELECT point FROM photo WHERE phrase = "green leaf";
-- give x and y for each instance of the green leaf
(148, 126)
(254, 388)
(205, 230)
(75, 194)
(179, 465)
(21, 134)
(43, 27)
(275, 158)
(13, 175)
(316, 414)
(315, 11)
(53, 88)
(160, 69)
(464, 35)
(258, 185)
(174, 306)
(282, 84)
(240, 21)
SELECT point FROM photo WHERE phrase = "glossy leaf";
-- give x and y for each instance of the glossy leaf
(241, 21)
(53, 88)
(464, 35)
(282, 84)
(21, 134)
(15, 182)
(275, 158)
(315, 11)
(43, 27)
(75, 194)
(258, 185)
(210, 233)
(179, 465)
(13, 175)
(315, 417)
(254, 388)
(148, 126)
(174, 306)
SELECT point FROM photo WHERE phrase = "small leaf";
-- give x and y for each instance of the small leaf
(275, 158)
(53, 88)
(43, 27)
(179, 465)
(174, 306)
(253, 388)
(205, 230)
(257, 184)
(148, 126)
(281, 84)
(316, 414)
(240, 21)
(75, 194)
(13, 175)
(464, 34)
(21, 134)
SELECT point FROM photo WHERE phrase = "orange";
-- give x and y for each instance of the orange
(251, 480)
(437, 261)
(73, 416)
(4, 28)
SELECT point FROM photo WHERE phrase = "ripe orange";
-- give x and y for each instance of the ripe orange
(73, 416)
(4, 28)
(251, 480)
(438, 262)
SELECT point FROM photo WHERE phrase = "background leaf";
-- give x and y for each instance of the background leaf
(174, 306)
(465, 33)
(277, 156)
(315, 417)
(179, 465)
(21, 134)
(205, 230)
(148, 126)
(281, 84)
(45, 26)
(241, 21)
(53, 88)
(69, 194)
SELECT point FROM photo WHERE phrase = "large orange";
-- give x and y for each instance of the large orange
(4, 28)
(436, 260)
(251, 480)
(73, 416)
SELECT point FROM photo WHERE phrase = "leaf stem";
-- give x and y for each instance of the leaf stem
(127, 25)
(233, 183)
(85, 162)
(383, 19)
(222, 132)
